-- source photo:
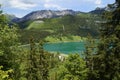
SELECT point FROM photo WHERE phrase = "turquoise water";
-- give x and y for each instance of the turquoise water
(65, 47)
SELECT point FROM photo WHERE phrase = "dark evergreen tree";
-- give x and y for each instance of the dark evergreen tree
(89, 55)
(2, 18)
(8, 46)
(32, 62)
(107, 60)
(43, 62)
(73, 68)
(37, 62)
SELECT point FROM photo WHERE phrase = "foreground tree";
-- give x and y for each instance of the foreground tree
(37, 62)
(32, 62)
(43, 62)
(4, 75)
(90, 51)
(107, 60)
(74, 68)
(8, 42)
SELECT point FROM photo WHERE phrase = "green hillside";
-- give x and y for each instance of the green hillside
(79, 25)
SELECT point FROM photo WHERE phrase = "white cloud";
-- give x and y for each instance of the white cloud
(4, 3)
(55, 6)
(48, 1)
(98, 2)
(48, 4)
(21, 4)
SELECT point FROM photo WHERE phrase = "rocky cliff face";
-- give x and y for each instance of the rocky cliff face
(97, 11)
(46, 14)
(110, 7)
(53, 14)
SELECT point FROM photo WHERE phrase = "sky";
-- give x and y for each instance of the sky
(22, 7)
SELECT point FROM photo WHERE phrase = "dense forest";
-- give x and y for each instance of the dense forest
(101, 61)
(75, 25)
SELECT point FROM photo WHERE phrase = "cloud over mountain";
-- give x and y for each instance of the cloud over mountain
(22, 4)
(55, 4)
(23, 7)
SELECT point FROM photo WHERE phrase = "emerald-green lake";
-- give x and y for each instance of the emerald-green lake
(65, 47)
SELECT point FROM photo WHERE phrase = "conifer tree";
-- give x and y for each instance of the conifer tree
(74, 68)
(89, 55)
(107, 60)
(32, 62)
(8, 45)
(43, 62)
(37, 62)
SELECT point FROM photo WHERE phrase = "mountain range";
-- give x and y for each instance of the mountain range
(41, 14)
(44, 23)
(45, 14)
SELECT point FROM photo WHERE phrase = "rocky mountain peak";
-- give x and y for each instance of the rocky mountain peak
(46, 14)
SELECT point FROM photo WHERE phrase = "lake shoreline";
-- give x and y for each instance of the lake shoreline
(63, 39)
(64, 42)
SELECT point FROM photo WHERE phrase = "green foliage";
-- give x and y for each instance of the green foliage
(68, 38)
(4, 75)
(90, 52)
(73, 68)
(8, 40)
(24, 24)
(72, 24)
(43, 62)
(107, 60)
(38, 35)
(8, 46)
(32, 66)
(79, 25)
(9, 18)
(38, 65)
